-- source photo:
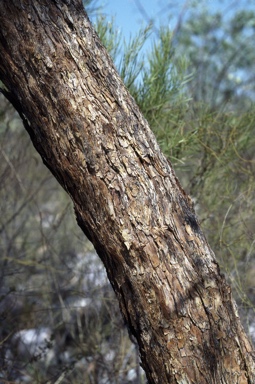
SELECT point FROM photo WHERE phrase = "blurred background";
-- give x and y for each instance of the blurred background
(191, 68)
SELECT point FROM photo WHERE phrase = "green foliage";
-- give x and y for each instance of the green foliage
(109, 35)
(204, 119)
(154, 76)
(161, 79)
(219, 49)
(197, 94)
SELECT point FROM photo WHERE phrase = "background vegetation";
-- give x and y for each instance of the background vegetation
(196, 86)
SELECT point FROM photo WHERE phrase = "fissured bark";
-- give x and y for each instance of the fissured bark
(127, 199)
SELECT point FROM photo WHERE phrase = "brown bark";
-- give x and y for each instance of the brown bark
(127, 199)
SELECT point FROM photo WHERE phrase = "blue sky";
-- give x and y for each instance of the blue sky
(129, 18)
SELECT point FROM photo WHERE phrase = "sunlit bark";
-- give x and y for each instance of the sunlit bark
(127, 199)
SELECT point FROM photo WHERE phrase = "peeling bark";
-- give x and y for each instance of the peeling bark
(128, 201)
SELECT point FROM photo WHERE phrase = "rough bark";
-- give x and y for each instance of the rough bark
(127, 199)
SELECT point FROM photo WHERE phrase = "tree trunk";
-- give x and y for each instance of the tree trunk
(127, 199)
